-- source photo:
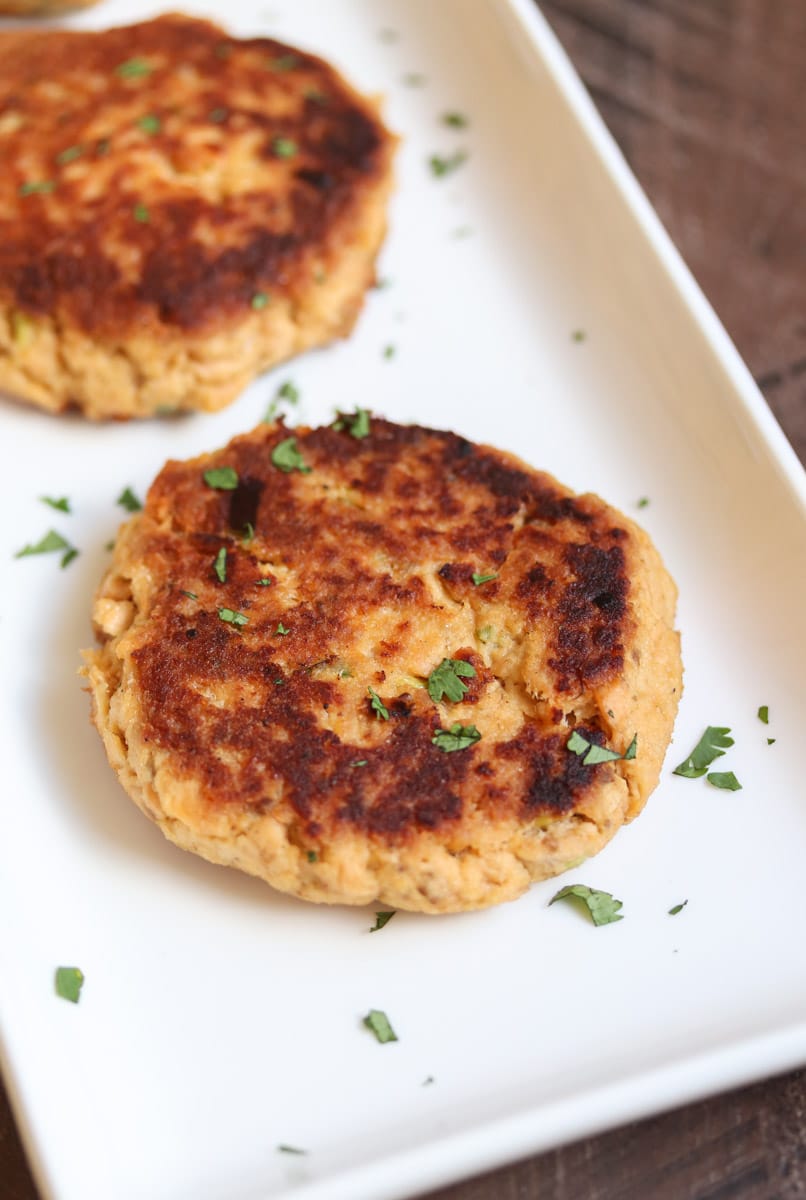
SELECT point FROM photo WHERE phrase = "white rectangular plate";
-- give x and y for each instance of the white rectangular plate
(219, 1019)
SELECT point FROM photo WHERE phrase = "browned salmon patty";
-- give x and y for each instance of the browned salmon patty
(179, 210)
(351, 660)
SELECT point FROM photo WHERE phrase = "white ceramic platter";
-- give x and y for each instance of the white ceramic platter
(218, 1019)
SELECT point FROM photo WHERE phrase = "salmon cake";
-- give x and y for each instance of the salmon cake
(179, 210)
(375, 662)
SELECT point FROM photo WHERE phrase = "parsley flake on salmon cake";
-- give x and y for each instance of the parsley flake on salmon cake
(345, 711)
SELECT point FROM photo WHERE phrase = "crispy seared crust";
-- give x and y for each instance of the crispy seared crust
(260, 748)
(178, 211)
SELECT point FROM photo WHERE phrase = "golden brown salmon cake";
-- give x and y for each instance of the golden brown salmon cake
(369, 662)
(178, 211)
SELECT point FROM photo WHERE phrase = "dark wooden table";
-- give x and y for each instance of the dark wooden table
(707, 99)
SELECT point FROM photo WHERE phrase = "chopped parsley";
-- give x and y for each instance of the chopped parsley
(220, 565)
(312, 856)
(603, 908)
(68, 982)
(455, 120)
(70, 154)
(578, 335)
(62, 504)
(232, 617)
(264, 582)
(282, 1149)
(594, 753)
(281, 629)
(141, 214)
(712, 745)
(37, 187)
(764, 714)
(377, 705)
(428, 1079)
(478, 580)
(284, 147)
(217, 115)
(52, 541)
(458, 737)
(150, 123)
(415, 79)
(259, 300)
(129, 501)
(725, 780)
(359, 762)
(283, 62)
(676, 908)
(358, 423)
(643, 502)
(248, 533)
(190, 595)
(288, 391)
(223, 479)
(446, 680)
(444, 165)
(286, 457)
(389, 351)
(771, 741)
(133, 68)
(381, 919)
(378, 1022)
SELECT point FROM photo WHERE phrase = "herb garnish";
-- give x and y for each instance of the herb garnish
(281, 1149)
(288, 391)
(725, 780)
(150, 123)
(281, 629)
(52, 541)
(441, 165)
(764, 714)
(264, 582)
(259, 300)
(455, 120)
(378, 1022)
(284, 62)
(129, 501)
(643, 502)
(603, 908)
(676, 908)
(446, 679)
(377, 705)
(771, 741)
(415, 79)
(232, 617)
(359, 762)
(284, 147)
(62, 504)
(712, 745)
(141, 214)
(381, 919)
(478, 580)
(190, 595)
(286, 457)
(223, 479)
(578, 335)
(312, 856)
(389, 351)
(69, 155)
(220, 565)
(37, 187)
(217, 115)
(68, 982)
(359, 423)
(594, 753)
(458, 737)
(133, 68)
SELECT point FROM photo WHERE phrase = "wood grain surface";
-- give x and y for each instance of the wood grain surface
(707, 99)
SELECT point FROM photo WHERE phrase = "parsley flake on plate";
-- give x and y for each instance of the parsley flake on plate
(414, 79)
(478, 579)
(643, 502)
(284, 147)
(282, 1149)
(377, 705)
(389, 351)
(725, 780)
(381, 919)
(446, 680)
(259, 300)
(68, 982)
(455, 120)
(578, 335)
(356, 424)
(442, 165)
(592, 753)
(286, 457)
(231, 617)
(458, 737)
(288, 391)
(134, 68)
(51, 542)
(220, 565)
(61, 503)
(712, 745)
(378, 1022)
(129, 501)
(764, 714)
(677, 908)
(603, 908)
(223, 479)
